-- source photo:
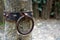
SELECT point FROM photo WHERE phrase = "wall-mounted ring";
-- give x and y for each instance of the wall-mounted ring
(25, 25)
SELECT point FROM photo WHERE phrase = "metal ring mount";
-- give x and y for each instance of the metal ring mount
(17, 17)
(21, 19)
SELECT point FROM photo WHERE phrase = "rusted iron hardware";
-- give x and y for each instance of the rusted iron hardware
(24, 21)
(11, 16)
(25, 25)
(14, 16)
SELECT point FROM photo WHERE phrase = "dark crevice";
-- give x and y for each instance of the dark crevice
(52, 14)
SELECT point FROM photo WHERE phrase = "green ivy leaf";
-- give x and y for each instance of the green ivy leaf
(52, 13)
(37, 1)
(40, 9)
(44, 1)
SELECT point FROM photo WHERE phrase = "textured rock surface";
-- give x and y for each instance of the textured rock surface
(46, 30)
(10, 32)
(43, 30)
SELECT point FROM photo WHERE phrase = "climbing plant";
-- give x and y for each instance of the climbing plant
(57, 5)
(40, 3)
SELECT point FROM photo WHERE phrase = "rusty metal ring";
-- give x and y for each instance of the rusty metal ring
(17, 25)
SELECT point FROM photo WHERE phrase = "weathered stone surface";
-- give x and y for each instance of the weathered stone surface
(43, 30)
(10, 27)
(10, 31)
(46, 30)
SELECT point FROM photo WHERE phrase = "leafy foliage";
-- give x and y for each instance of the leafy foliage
(40, 3)
(52, 13)
(57, 5)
